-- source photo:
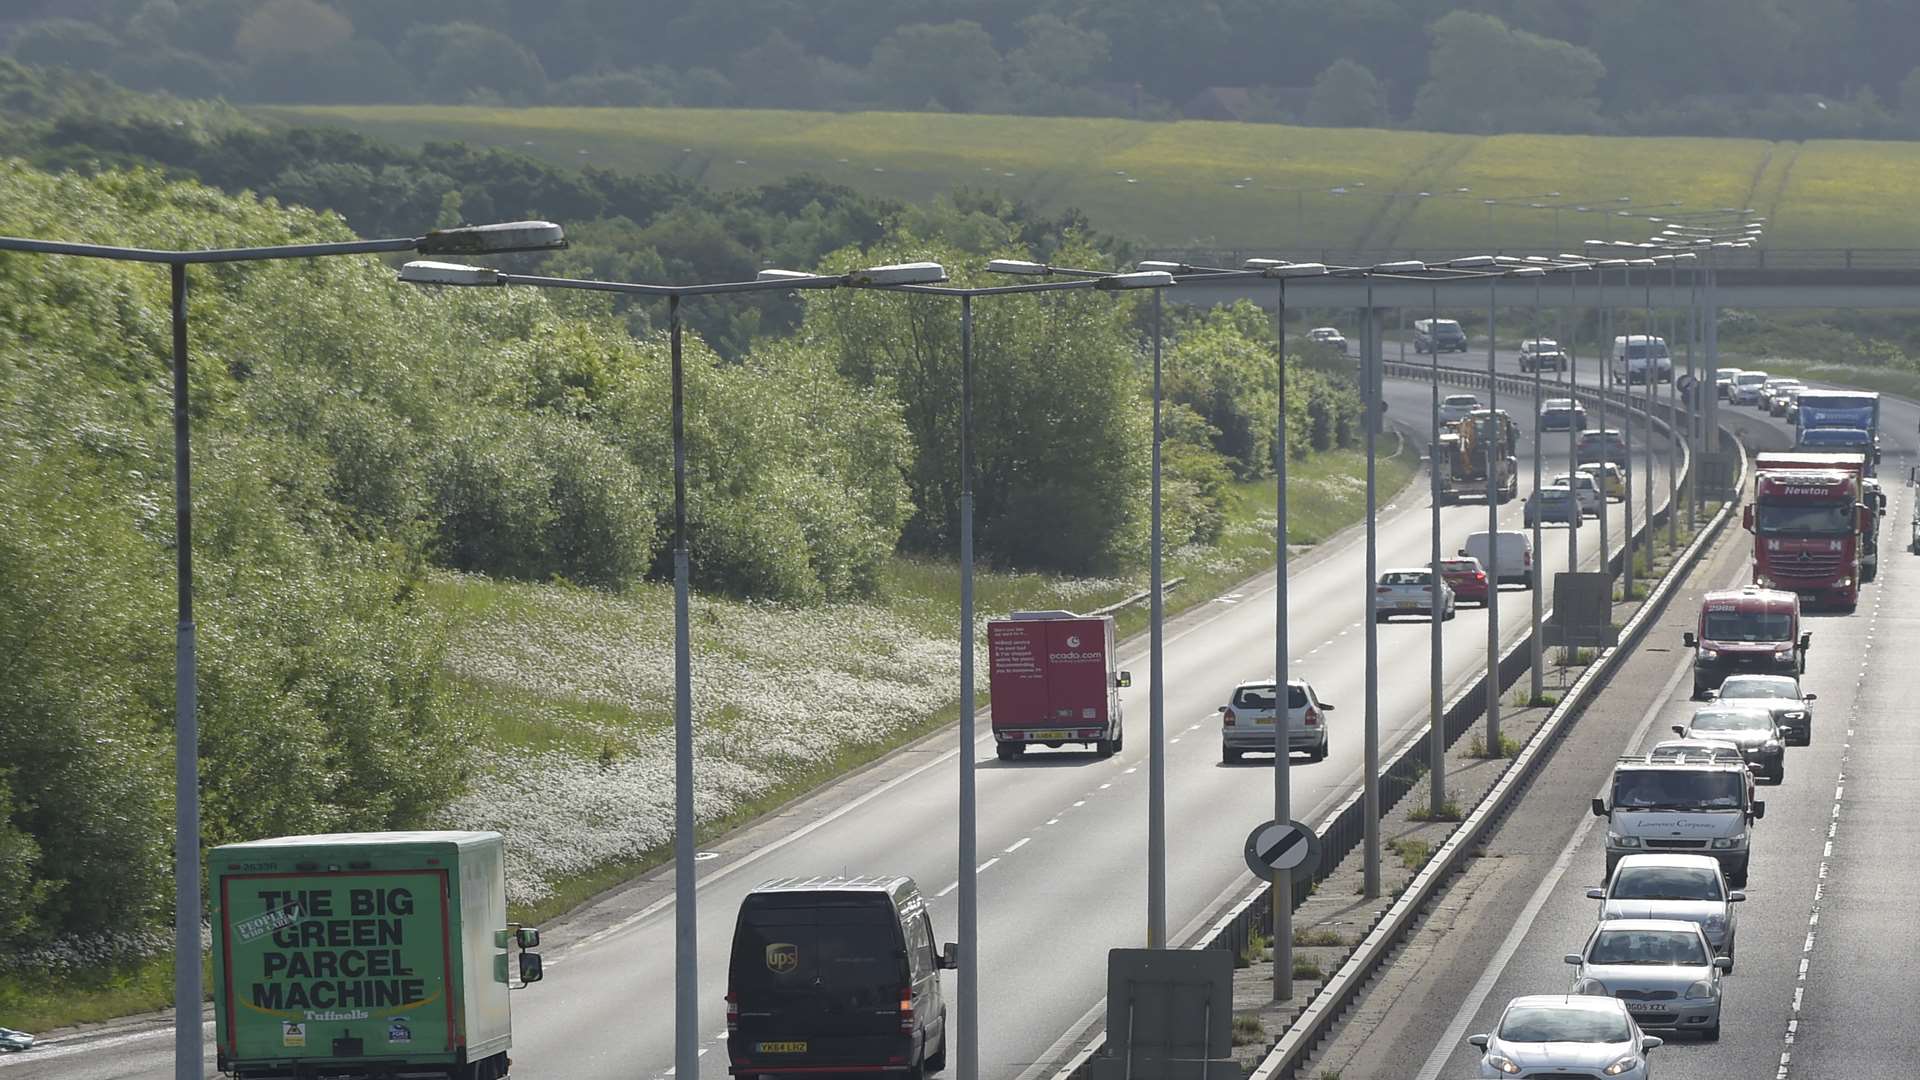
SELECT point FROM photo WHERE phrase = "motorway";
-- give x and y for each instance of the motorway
(1824, 985)
(1061, 834)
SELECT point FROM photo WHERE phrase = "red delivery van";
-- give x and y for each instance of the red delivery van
(1053, 681)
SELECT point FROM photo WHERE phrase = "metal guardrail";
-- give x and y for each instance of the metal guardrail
(1114, 608)
(1330, 1003)
(1343, 830)
(1759, 258)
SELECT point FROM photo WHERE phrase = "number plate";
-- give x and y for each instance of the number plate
(1639, 1008)
(1047, 736)
(1267, 720)
(1408, 604)
(782, 1047)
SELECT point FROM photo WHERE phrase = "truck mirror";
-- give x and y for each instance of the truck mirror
(527, 937)
(1736, 897)
(1123, 680)
(1599, 808)
(949, 957)
(1689, 640)
(1746, 519)
(1680, 730)
(1810, 697)
(530, 967)
(1759, 809)
(1806, 641)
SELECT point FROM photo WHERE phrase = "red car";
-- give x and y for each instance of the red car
(1467, 580)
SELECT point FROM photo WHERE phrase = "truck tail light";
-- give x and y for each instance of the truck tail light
(906, 1010)
(1227, 718)
(733, 1012)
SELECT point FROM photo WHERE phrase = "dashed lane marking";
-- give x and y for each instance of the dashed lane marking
(1017, 845)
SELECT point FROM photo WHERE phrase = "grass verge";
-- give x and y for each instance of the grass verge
(38, 1003)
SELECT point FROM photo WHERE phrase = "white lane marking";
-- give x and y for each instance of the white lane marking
(982, 868)
(1131, 770)
(1109, 783)
(946, 890)
(75, 1045)
(703, 1051)
(1053, 821)
(1456, 1031)
(1081, 802)
(1813, 915)
(1175, 739)
(1016, 845)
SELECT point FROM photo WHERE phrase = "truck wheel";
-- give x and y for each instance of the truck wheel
(1008, 751)
(938, 1062)
(1103, 748)
(1319, 752)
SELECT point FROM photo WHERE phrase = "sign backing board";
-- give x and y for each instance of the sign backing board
(1169, 1016)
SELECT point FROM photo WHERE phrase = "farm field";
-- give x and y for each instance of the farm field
(1223, 185)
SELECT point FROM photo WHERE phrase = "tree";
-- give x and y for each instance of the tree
(1484, 76)
(464, 60)
(63, 43)
(283, 28)
(1347, 95)
(953, 65)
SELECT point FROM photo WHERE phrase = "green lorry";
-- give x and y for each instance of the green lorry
(365, 955)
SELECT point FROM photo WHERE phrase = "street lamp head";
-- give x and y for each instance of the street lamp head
(1527, 271)
(1641, 262)
(496, 239)
(1685, 256)
(1152, 265)
(1611, 264)
(913, 273)
(428, 272)
(1508, 260)
(1290, 270)
(1468, 262)
(798, 279)
(1019, 266)
(1145, 279)
(1574, 266)
(1262, 264)
(1405, 266)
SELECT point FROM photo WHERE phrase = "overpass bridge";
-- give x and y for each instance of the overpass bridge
(1794, 278)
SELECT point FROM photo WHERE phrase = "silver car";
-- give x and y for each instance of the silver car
(1792, 709)
(15, 1040)
(1457, 407)
(1661, 969)
(1561, 1035)
(1690, 888)
(1246, 721)
(1410, 591)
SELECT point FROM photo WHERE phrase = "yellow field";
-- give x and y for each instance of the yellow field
(1200, 183)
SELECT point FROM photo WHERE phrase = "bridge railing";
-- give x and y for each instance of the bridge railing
(1759, 258)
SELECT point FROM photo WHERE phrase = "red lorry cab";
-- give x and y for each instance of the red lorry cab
(1053, 681)
(1814, 531)
(1749, 629)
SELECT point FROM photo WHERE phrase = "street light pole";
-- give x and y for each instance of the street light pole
(1436, 700)
(967, 1060)
(189, 1054)
(1537, 685)
(1573, 435)
(1496, 451)
(1157, 770)
(1370, 781)
(1282, 691)
(686, 955)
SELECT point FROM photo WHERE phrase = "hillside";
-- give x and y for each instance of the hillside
(1202, 183)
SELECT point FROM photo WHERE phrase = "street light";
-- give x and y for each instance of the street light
(687, 1040)
(189, 1057)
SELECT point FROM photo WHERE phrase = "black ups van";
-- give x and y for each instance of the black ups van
(836, 974)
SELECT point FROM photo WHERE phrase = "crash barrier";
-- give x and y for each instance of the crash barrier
(1333, 999)
(1114, 608)
(1344, 829)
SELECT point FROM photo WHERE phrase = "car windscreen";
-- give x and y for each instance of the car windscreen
(1728, 720)
(1665, 883)
(1749, 626)
(1834, 519)
(1640, 351)
(1261, 697)
(1736, 689)
(1678, 789)
(1660, 947)
(1750, 378)
(844, 948)
(1539, 1024)
(1406, 577)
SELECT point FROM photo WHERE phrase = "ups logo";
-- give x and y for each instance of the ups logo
(782, 958)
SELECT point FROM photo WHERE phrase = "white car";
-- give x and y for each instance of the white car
(1410, 591)
(1690, 888)
(1660, 968)
(1246, 721)
(1792, 708)
(1328, 336)
(1457, 407)
(1586, 489)
(15, 1040)
(1565, 1035)
(1745, 389)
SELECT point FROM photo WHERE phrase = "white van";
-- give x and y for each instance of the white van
(1638, 358)
(1515, 563)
